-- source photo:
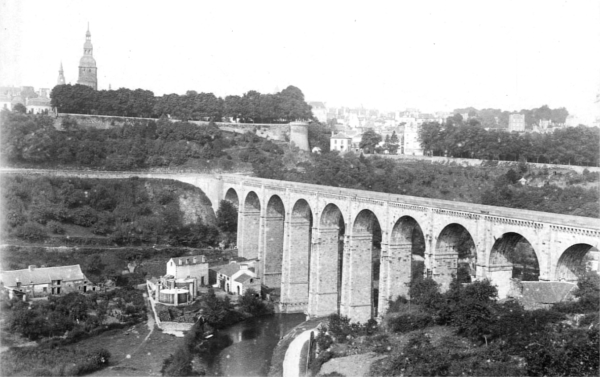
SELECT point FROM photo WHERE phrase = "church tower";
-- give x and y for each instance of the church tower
(88, 73)
(61, 76)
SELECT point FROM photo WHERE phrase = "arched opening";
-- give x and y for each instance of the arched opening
(365, 263)
(512, 257)
(248, 238)
(327, 257)
(407, 256)
(274, 224)
(295, 290)
(575, 261)
(455, 256)
(232, 197)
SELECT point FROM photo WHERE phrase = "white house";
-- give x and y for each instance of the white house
(340, 142)
(238, 277)
(194, 266)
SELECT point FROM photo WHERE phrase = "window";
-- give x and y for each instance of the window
(18, 284)
(45, 289)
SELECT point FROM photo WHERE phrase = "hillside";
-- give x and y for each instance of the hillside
(71, 211)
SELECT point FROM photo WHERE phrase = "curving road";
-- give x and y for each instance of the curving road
(291, 363)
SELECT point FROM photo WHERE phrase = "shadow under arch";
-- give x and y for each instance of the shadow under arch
(366, 256)
(455, 256)
(295, 290)
(327, 262)
(250, 227)
(232, 197)
(575, 261)
(407, 256)
(273, 242)
(512, 257)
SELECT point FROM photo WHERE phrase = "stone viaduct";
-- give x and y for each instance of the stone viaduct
(318, 244)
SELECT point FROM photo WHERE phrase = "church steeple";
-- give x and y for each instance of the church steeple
(88, 72)
(61, 76)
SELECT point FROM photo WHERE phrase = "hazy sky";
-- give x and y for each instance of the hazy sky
(433, 55)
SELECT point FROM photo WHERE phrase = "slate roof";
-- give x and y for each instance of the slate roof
(229, 269)
(40, 101)
(243, 277)
(341, 136)
(41, 275)
(189, 260)
(317, 104)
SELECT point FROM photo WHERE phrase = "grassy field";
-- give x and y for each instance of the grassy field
(133, 352)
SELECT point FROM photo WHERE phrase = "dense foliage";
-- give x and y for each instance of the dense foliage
(75, 315)
(494, 339)
(487, 185)
(572, 145)
(496, 118)
(252, 107)
(125, 211)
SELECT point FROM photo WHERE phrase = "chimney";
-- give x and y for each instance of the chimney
(32, 267)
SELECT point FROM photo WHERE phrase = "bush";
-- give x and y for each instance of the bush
(55, 227)
(426, 293)
(410, 322)
(251, 303)
(30, 231)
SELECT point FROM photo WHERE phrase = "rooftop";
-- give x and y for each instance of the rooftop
(41, 275)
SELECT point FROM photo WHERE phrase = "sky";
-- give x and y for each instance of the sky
(390, 55)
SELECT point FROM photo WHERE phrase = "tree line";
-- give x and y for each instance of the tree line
(251, 107)
(496, 118)
(491, 185)
(567, 146)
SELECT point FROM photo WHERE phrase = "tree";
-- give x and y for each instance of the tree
(20, 108)
(369, 140)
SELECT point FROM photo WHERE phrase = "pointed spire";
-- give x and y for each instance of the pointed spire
(87, 33)
(61, 68)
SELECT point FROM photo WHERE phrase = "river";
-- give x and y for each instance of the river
(245, 349)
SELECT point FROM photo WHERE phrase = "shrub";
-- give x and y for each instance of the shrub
(30, 231)
(55, 227)
(410, 322)
(251, 303)
(426, 293)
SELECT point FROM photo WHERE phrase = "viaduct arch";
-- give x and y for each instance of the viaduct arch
(351, 251)
(319, 244)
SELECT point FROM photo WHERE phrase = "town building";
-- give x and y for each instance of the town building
(411, 144)
(169, 290)
(88, 72)
(194, 266)
(237, 277)
(516, 122)
(340, 142)
(36, 282)
(180, 284)
(319, 111)
(39, 105)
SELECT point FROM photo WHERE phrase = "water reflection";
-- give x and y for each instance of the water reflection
(245, 349)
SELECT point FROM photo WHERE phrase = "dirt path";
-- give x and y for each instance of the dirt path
(291, 363)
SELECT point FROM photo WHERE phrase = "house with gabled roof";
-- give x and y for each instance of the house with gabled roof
(236, 277)
(36, 282)
(193, 266)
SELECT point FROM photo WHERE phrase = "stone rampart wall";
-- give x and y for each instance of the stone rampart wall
(279, 132)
